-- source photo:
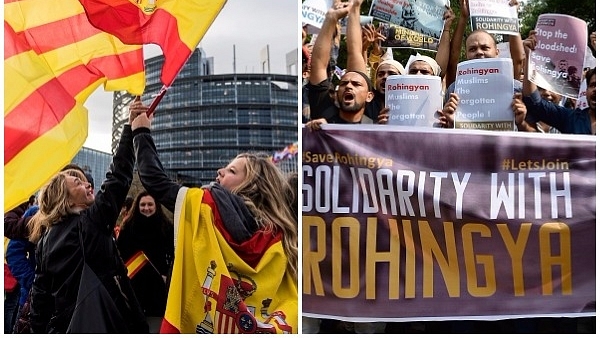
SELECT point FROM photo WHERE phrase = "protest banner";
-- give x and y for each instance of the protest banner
(401, 37)
(556, 64)
(313, 14)
(413, 99)
(416, 224)
(485, 91)
(423, 16)
(494, 16)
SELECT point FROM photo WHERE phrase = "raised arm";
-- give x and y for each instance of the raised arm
(322, 48)
(354, 46)
(515, 44)
(153, 176)
(109, 199)
(443, 53)
(372, 37)
(528, 45)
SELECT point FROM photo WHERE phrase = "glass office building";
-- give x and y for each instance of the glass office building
(205, 120)
(93, 162)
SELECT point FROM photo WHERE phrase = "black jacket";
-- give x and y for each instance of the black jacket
(59, 259)
(151, 171)
(154, 236)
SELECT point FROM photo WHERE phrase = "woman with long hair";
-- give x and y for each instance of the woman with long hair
(239, 236)
(146, 237)
(73, 228)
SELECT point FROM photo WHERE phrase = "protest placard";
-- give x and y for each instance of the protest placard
(557, 62)
(413, 99)
(485, 91)
(494, 16)
(401, 37)
(423, 16)
(313, 14)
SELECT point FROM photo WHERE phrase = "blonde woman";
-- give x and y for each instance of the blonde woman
(237, 237)
(69, 215)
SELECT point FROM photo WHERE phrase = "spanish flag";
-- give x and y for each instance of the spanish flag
(53, 60)
(136, 263)
(177, 26)
(214, 289)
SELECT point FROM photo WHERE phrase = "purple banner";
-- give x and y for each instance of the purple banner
(403, 224)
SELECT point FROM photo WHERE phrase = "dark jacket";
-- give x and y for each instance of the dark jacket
(12, 229)
(567, 121)
(59, 256)
(154, 236)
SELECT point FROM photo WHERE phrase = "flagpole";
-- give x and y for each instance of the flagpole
(163, 90)
(156, 100)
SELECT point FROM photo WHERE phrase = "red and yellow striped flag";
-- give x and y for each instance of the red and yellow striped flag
(177, 26)
(136, 263)
(53, 60)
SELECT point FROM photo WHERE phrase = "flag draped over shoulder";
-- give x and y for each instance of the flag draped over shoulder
(177, 26)
(213, 290)
(53, 60)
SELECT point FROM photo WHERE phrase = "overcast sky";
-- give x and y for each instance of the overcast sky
(250, 25)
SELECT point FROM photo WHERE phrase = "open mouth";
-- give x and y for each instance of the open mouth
(348, 97)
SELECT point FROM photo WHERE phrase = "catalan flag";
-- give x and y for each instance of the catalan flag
(219, 286)
(136, 263)
(53, 60)
(177, 26)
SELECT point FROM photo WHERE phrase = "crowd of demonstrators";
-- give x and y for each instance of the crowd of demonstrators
(355, 100)
(354, 89)
(73, 229)
(253, 201)
(480, 44)
(147, 233)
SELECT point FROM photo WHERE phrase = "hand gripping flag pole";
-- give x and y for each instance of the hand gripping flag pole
(156, 100)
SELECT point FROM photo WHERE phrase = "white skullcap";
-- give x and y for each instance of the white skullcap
(434, 65)
(394, 63)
